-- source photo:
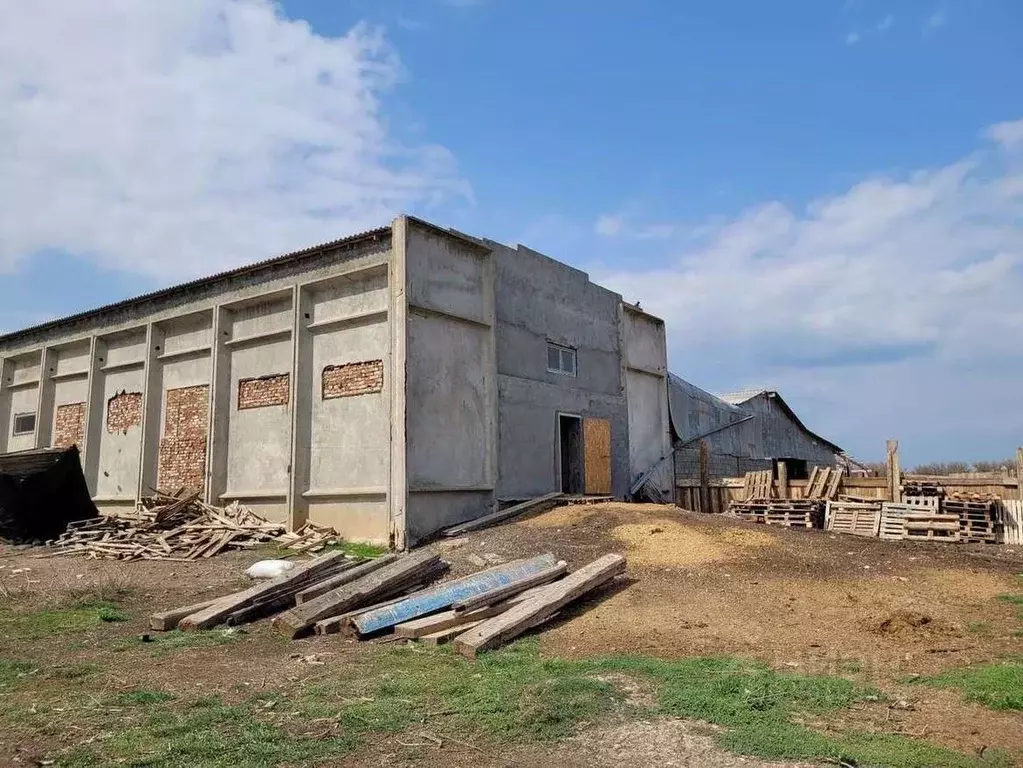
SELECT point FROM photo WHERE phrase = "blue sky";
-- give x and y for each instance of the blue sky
(820, 197)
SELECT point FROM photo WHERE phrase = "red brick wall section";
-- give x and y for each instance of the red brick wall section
(69, 425)
(183, 447)
(124, 411)
(353, 379)
(264, 392)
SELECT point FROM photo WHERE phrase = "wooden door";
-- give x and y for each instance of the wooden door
(597, 456)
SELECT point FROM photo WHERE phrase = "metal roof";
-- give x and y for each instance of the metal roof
(273, 261)
(741, 396)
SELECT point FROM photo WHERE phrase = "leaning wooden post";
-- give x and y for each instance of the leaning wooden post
(704, 477)
(892, 471)
(783, 480)
(1019, 473)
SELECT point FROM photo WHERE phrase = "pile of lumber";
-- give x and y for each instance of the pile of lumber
(168, 528)
(390, 594)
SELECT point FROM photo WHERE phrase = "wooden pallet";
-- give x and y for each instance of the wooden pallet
(823, 483)
(892, 525)
(924, 502)
(1012, 522)
(793, 513)
(921, 488)
(758, 485)
(853, 518)
(925, 526)
(979, 521)
(753, 510)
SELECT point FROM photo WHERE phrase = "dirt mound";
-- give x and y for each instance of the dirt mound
(667, 543)
(902, 623)
(573, 514)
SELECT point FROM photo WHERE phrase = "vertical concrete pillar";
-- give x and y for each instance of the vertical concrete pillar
(220, 406)
(490, 315)
(95, 408)
(45, 404)
(398, 325)
(6, 377)
(301, 409)
(152, 407)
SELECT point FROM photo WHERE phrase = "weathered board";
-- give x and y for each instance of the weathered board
(597, 456)
(1012, 521)
(853, 518)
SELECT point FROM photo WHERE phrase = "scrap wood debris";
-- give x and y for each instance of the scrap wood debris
(164, 527)
(393, 595)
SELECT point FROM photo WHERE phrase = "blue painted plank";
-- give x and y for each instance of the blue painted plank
(447, 594)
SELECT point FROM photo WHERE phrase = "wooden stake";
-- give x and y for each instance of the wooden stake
(705, 477)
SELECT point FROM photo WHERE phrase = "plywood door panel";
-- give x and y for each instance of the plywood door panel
(597, 455)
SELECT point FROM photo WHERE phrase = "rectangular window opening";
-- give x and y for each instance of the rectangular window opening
(561, 359)
(24, 423)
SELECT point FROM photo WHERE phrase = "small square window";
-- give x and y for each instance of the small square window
(24, 423)
(560, 359)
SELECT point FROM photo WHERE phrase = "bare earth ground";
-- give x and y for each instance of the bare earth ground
(806, 601)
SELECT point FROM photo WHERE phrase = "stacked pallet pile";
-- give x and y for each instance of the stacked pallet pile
(794, 513)
(920, 525)
(979, 518)
(390, 594)
(164, 527)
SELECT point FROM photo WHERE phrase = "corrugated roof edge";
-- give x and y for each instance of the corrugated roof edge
(181, 287)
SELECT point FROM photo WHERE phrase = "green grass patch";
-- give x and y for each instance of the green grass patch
(998, 686)
(1016, 600)
(12, 671)
(356, 549)
(510, 696)
(77, 617)
(160, 643)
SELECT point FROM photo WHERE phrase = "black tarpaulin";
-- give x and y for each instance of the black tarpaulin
(41, 492)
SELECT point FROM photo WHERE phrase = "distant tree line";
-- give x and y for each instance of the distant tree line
(945, 468)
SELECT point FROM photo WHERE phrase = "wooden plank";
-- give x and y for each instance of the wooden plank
(517, 619)
(378, 585)
(448, 633)
(162, 621)
(834, 483)
(450, 618)
(783, 480)
(303, 574)
(597, 456)
(519, 585)
(504, 514)
(704, 478)
(344, 576)
(334, 624)
(445, 595)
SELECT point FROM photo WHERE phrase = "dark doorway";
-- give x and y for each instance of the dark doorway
(570, 442)
(797, 469)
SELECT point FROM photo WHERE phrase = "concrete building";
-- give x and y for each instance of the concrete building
(388, 384)
(744, 431)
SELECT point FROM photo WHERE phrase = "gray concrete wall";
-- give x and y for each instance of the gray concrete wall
(450, 380)
(326, 461)
(646, 368)
(540, 300)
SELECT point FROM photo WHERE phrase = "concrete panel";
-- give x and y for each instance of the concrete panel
(528, 435)
(359, 518)
(350, 443)
(117, 472)
(447, 274)
(70, 391)
(447, 434)
(644, 341)
(186, 333)
(25, 369)
(348, 296)
(259, 440)
(263, 316)
(431, 512)
(72, 359)
(24, 399)
(648, 423)
(125, 348)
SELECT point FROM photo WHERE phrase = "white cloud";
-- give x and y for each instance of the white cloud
(609, 226)
(891, 298)
(179, 138)
(1009, 133)
(886, 23)
(852, 38)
